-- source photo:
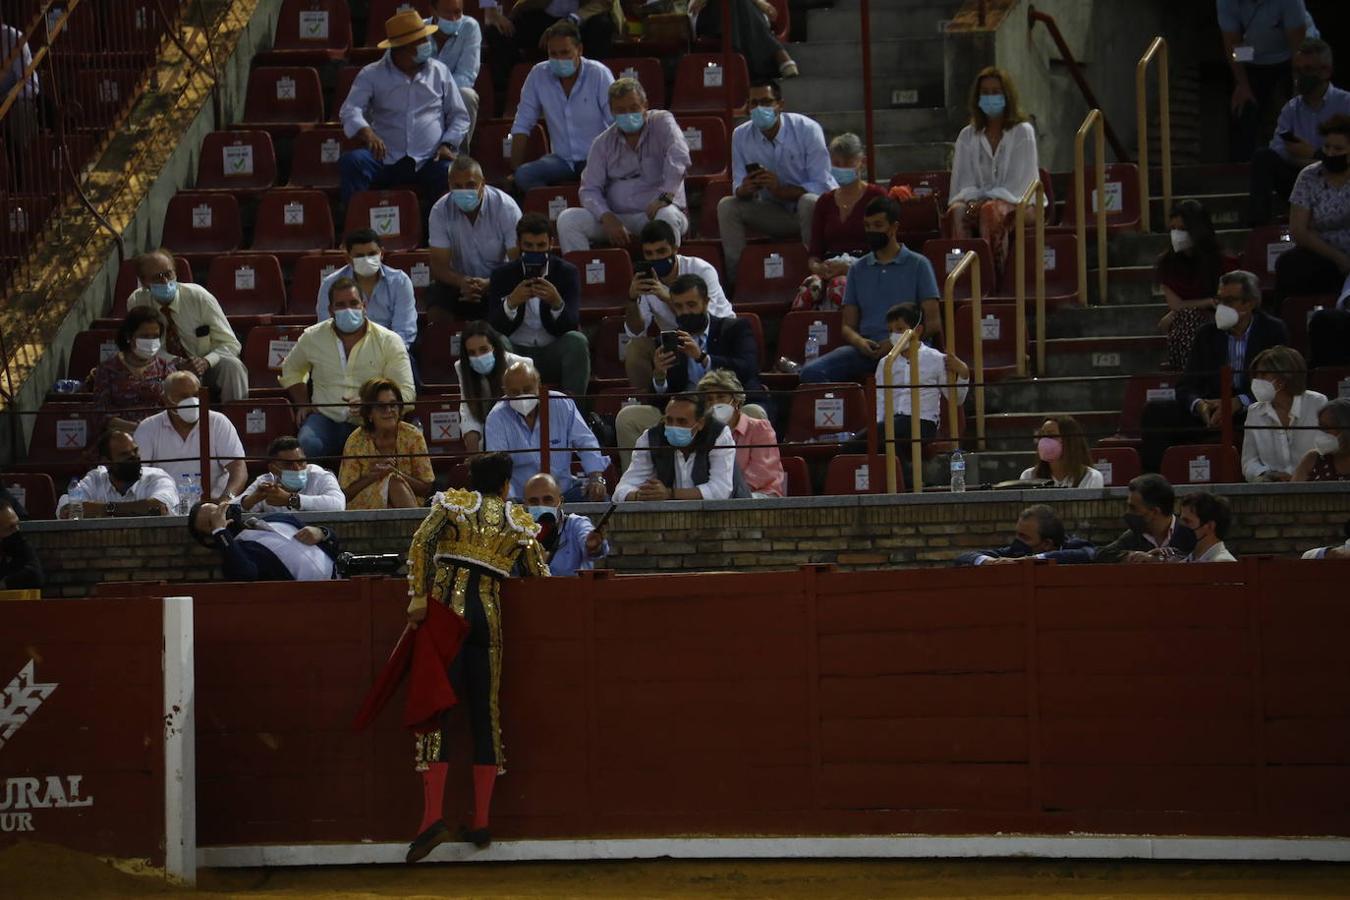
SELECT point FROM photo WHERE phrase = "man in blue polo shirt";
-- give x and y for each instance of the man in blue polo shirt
(890, 274)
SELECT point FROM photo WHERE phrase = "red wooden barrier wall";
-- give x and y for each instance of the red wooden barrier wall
(1208, 699)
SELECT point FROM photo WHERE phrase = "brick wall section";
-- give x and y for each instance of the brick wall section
(851, 532)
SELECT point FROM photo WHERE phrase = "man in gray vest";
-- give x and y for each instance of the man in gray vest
(687, 456)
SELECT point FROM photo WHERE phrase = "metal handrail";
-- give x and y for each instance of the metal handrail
(1033, 16)
(1094, 119)
(910, 346)
(1156, 50)
(970, 261)
(1035, 193)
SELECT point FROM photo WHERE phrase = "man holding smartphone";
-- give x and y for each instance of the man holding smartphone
(535, 302)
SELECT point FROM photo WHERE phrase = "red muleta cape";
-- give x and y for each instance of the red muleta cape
(424, 655)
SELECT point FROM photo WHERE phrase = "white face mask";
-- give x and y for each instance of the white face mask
(146, 348)
(1263, 390)
(1181, 240)
(1225, 317)
(524, 405)
(187, 409)
(723, 412)
(1326, 444)
(365, 266)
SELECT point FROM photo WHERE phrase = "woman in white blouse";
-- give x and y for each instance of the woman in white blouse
(994, 165)
(1282, 424)
(1062, 455)
(483, 359)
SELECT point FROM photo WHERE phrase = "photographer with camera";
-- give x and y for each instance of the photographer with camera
(571, 542)
(535, 302)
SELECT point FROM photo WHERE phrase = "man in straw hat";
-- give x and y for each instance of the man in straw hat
(407, 111)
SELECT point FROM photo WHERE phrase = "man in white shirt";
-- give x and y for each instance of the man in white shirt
(649, 299)
(1208, 516)
(172, 440)
(272, 547)
(198, 336)
(471, 233)
(122, 486)
(685, 457)
(292, 483)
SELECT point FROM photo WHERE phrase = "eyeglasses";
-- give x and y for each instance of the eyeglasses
(161, 277)
(386, 407)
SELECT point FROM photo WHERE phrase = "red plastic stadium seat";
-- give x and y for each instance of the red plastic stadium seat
(757, 329)
(605, 362)
(798, 476)
(487, 92)
(998, 327)
(259, 420)
(201, 225)
(282, 99)
(1061, 271)
(314, 159)
(515, 84)
(309, 272)
(417, 263)
(824, 409)
(646, 70)
(1122, 194)
(1139, 390)
(797, 326)
(1332, 381)
(1297, 311)
(48, 163)
(552, 200)
(382, 10)
(88, 350)
(247, 284)
(65, 440)
(492, 148)
(767, 277)
(238, 161)
(1201, 464)
(1118, 465)
(96, 98)
(437, 349)
(291, 223)
(709, 152)
(34, 491)
(708, 251)
(606, 274)
(708, 227)
(920, 220)
(1264, 247)
(945, 255)
(342, 86)
(937, 185)
(310, 33)
(265, 349)
(441, 424)
(850, 473)
(701, 85)
(128, 282)
(393, 215)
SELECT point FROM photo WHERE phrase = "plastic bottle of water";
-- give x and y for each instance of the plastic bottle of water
(189, 492)
(958, 470)
(812, 348)
(74, 500)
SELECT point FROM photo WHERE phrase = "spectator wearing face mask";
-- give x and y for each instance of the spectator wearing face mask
(172, 440)
(1297, 140)
(1259, 39)
(837, 236)
(1209, 518)
(471, 233)
(1239, 333)
(483, 361)
(1188, 273)
(388, 291)
(292, 483)
(995, 163)
(1329, 460)
(1039, 535)
(757, 456)
(1319, 220)
(129, 385)
(461, 52)
(571, 543)
(1063, 456)
(1150, 525)
(1281, 425)
(687, 456)
(120, 486)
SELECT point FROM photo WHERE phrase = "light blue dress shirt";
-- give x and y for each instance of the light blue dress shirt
(1303, 120)
(477, 246)
(392, 304)
(570, 556)
(413, 116)
(574, 120)
(462, 52)
(568, 434)
(797, 155)
(1263, 23)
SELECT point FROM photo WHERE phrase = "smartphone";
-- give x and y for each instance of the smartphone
(538, 270)
(670, 342)
(643, 269)
(752, 168)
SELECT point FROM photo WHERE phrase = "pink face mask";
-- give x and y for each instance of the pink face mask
(1049, 449)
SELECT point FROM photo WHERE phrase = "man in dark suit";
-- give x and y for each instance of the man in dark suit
(1239, 333)
(271, 547)
(1039, 535)
(703, 342)
(535, 302)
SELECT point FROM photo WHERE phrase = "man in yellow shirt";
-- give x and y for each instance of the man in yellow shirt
(337, 356)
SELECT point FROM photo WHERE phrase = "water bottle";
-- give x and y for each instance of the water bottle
(812, 348)
(958, 470)
(189, 492)
(74, 500)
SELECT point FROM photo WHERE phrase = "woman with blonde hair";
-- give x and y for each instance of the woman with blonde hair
(1062, 455)
(385, 463)
(995, 163)
(1281, 425)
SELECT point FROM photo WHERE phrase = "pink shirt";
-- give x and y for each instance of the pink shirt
(757, 455)
(623, 179)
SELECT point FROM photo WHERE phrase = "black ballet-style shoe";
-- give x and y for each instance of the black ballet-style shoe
(479, 837)
(427, 841)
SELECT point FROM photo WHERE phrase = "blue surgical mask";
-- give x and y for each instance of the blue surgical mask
(844, 177)
(678, 436)
(164, 293)
(563, 68)
(629, 123)
(425, 51)
(764, 117)
(465, 199)
(538, 512)
(484, 363)
(348, 320)
(993, 105)
(294, 480)
(449, 26)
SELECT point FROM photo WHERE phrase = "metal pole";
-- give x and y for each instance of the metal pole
(865, 27)
(204, 440)
(727, 54)
(874, 473)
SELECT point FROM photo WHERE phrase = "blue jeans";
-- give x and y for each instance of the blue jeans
(841, 364)
(547, 170)
(362, 171)
(321, 437)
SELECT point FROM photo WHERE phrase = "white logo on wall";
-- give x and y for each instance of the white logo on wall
(22, 698)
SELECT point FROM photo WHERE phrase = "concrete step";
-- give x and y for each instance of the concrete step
(1015, 431)
(891, 126)
(1225, 210)
(1030, 394)
(893, 158)
(1125, 286)
(1105, 321)
(1086, 356)
(832, 75)
(841, 21)
(1144, 249)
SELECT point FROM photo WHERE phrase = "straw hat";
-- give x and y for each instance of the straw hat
(404, 28)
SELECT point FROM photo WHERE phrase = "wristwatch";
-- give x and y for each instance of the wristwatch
(110, 510)
(293, 502)
(667, 199)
